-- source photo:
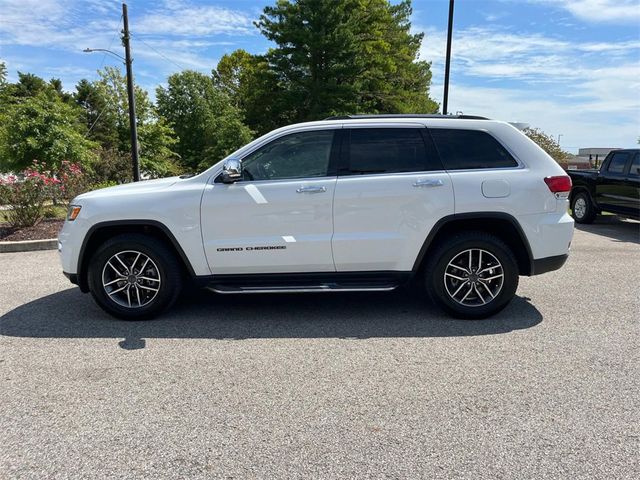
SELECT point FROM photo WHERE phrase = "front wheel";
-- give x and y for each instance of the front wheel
(472, 275)
(134, 277)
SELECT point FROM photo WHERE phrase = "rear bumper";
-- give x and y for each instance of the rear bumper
(548, 264)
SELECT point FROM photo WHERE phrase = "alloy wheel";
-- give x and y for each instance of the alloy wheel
(474, 277)
(580, 207)
(131, 279)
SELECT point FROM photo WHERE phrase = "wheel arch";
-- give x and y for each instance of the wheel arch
(581, 189)
(500, 224)
(101, 232)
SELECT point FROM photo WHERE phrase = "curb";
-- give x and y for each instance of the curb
(29, 245)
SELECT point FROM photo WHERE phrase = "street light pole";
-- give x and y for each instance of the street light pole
(135, 160)
(445, 100)
(130, 93)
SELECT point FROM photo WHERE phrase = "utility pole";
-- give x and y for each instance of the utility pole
(445, 100)
(130, 93)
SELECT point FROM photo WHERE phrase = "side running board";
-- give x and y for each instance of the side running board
(308, 282)
(232, 289)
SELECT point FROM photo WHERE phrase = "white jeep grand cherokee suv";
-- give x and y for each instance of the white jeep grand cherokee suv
(462, 204)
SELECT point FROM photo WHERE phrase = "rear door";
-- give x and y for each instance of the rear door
(632, 187)
(391, 190)
(611, 182)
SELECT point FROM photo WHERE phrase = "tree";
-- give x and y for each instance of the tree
(207, 124)
(106, 105)
(42, 127)
(232, 74)
(548, 144)
(99, 117)
(344, 57)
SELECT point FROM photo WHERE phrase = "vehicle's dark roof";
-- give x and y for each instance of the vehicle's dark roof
(406, 115)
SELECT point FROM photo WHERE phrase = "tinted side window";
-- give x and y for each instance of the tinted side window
(462, 149)
(635, 166)
(299, 155)
(618, 162)
(386, 150)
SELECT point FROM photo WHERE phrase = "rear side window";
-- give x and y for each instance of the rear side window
(618, 162)
(385, 150)
(467, 149)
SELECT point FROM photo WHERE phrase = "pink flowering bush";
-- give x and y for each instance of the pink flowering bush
(25, 195)
(73, 181)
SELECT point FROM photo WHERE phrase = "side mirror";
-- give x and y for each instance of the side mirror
(232, 170)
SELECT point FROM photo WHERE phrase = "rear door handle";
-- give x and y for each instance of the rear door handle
(311, 189)
(428, 182)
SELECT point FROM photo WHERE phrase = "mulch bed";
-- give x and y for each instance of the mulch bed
(42, 231)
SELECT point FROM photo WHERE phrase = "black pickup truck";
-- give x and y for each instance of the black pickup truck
(615, 188)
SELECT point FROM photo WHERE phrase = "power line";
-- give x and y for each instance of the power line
(181, 67)
(110, 43)
(93, 124)
(104, 56)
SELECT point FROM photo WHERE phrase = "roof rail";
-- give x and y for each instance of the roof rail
(406, 115)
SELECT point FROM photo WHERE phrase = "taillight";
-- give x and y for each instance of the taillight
(559, 184)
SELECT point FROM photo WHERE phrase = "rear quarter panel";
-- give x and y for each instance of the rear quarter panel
(520, 192)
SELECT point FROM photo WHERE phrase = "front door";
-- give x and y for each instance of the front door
(278, 218)
(611, 183)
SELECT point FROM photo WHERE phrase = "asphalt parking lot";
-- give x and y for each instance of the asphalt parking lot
(327, 386)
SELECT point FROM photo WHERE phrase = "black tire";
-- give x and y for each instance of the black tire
(163, 265)
(586, 211)
(440, 288)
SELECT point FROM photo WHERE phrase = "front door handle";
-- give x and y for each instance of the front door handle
(311, 189)
(428, 182)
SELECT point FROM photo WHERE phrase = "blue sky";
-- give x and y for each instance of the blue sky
(570, 67)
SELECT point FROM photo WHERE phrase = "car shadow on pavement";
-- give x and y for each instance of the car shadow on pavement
(71, 314)
(616, 228)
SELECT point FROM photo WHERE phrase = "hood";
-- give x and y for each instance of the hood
(131, 188)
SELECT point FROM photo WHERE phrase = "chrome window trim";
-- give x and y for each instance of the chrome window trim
(395, 174)
(282, 180)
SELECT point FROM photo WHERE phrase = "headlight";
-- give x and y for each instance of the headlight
(73, 212)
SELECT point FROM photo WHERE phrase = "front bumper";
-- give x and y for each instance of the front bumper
(73, 277)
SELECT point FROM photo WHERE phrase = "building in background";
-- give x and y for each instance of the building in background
(591, 157)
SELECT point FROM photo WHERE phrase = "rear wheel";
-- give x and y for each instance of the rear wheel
(582, 209)
(134, 277)
(472, 275)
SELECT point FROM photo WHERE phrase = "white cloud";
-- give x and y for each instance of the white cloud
(589, 92)
(493, 52)
(49, 23)
(195, 20)
(600, 11)
(173, 35)
(583, 125)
